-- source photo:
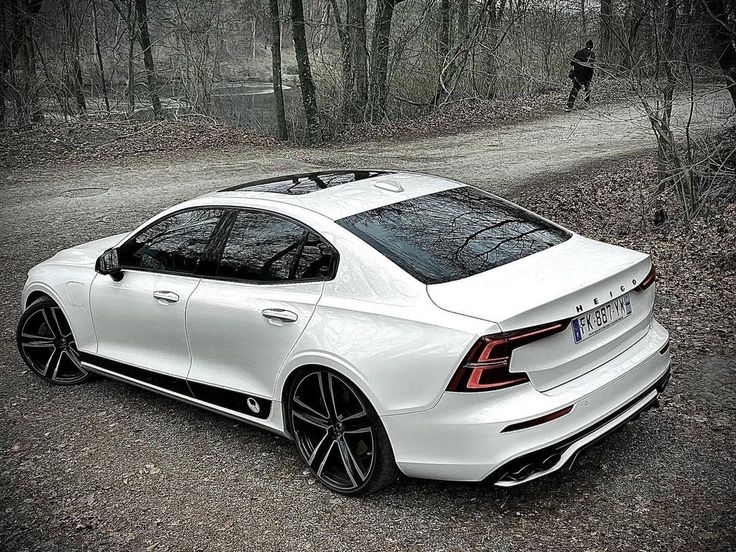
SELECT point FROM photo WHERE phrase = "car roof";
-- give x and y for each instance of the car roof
(337, 193)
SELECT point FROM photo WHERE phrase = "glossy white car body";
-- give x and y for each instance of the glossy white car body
(398, 340)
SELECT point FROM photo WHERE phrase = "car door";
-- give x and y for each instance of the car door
(243, 321)
(140, 319)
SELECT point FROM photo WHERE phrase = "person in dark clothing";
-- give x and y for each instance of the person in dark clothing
(581, 74)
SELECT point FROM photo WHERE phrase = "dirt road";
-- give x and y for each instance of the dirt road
(104, 466)
(497, 159)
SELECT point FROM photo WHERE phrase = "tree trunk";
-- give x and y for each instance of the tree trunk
(633, 17)
(444, 44)
(462, 19)
(4, 12)
(99, 55)
(132, 37)
(490, 62)
(145, 41)
(309, 92)
(17, 38)
(347, 65)
(131, 72)
(278, 91)
(378, 91)
(457, 58)
(358, 92)
(606, 33)
(724, 40)
(583, 18)
(30, 80)
(74, 68)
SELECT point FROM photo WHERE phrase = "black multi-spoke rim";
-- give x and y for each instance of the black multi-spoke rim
(333, 431)
(48, 346)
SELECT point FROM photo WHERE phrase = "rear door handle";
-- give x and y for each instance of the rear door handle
(166, 296)
(280, 314)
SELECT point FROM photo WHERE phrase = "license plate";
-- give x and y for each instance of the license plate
(597, 320)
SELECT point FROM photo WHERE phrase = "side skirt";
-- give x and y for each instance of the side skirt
(232, 404)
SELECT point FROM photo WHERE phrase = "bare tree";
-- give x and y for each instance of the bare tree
(583, 18)
(98, 51)
(306, 82)
(444, 42)
(127, 14)
(145, 40)
(378, 90)
(278, 90)
(346, 56)
(457, 58)
(30, 85)
(358, 91)
(723, 25)
(74, 80)
(17, 38)
(605, 36)
(462, 18)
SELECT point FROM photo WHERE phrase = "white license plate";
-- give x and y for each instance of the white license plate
(597, 320)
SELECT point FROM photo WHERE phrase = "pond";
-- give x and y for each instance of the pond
(248, 104)
(244, 104)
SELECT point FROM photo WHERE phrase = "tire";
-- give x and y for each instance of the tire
(338, 434)
(47, 345)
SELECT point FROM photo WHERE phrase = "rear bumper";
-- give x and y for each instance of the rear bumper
(462, 437)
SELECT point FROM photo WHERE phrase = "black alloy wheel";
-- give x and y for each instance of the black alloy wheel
(47, 345)
(339, 435)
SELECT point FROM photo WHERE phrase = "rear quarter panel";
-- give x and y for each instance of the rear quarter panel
(376, 325)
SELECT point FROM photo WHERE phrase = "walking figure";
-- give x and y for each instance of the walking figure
(581, 74)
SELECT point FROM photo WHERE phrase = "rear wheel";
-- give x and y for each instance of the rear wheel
(47, 344)
(339, 435)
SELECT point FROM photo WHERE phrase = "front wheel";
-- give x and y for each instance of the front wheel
(339, 435)
(47, 345)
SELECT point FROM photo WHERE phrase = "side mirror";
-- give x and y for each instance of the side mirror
(109, 264)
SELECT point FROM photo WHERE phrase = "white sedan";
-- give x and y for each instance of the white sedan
(386, 322)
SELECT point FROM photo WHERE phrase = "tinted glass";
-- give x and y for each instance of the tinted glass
(265, 247)
(315, 260)
(453, 234)
(175, 244)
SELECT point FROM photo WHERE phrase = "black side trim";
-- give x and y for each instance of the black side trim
(539, 460)
(170, 383)
(232, 400)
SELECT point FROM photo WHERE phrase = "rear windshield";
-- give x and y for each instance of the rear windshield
(453, 234)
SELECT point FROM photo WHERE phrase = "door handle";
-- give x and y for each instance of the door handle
(280, 314)
(167, 296)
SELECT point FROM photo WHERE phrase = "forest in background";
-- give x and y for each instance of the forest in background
(353, 60)
(327, 65)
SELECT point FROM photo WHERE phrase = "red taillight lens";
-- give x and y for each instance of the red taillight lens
(486, 366)
(648, 280)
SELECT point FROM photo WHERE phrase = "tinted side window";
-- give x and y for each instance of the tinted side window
(261, 247)
(176, 243)
(453, 234)
(315, 260)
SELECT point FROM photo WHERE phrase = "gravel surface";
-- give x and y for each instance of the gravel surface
(105, 466)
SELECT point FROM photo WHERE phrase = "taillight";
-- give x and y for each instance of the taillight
(486, 366)
(648, 280)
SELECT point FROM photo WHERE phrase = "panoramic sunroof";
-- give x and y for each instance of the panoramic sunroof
(298, 184)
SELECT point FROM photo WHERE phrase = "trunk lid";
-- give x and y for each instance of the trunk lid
(560, 283)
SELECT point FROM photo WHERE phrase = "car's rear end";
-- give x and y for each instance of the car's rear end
(579, 352)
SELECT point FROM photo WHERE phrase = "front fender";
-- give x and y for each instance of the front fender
(69, 288)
